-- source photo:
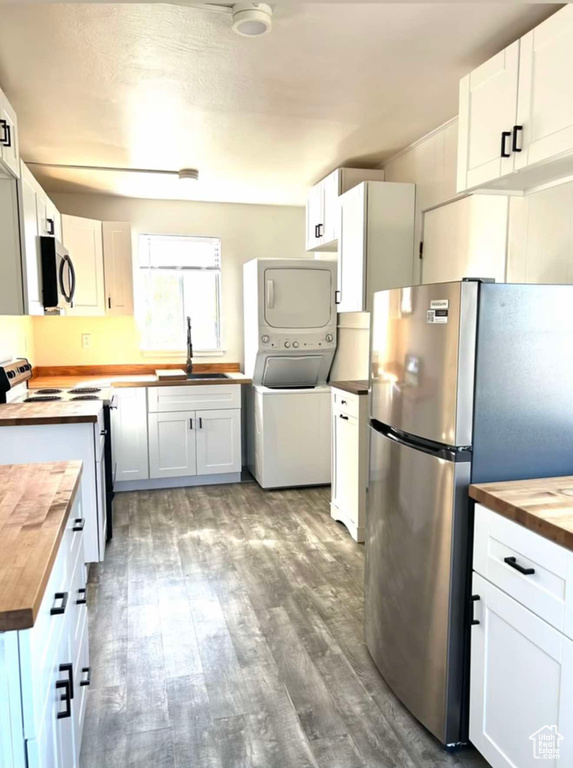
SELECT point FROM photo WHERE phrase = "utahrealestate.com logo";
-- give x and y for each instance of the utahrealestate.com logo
(546, 743)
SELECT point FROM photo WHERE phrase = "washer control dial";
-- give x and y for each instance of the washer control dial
(287, 344)
(295, 344)
(329, 337)
(265, 339)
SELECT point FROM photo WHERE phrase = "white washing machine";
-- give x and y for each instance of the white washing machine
(290, 340)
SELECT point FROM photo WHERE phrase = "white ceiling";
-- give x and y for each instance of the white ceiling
(167, 86)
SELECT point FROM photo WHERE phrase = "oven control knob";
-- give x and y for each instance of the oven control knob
(11, 374)
(265, 339)
(295, 344)
(329, 337)
(287, 344)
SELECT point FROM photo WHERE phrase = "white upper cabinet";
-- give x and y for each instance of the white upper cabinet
(488, 108)
(322, 215)
(545, 104)
(516, 113)
(83, 239)
(118, 267)
(9, 150)
(376, 242)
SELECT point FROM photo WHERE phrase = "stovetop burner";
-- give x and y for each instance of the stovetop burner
(84, 390)
(42, 399)
(48, 391)
(85, 397)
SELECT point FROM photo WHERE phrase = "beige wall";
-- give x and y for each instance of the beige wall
(16, 337)
(246, 232)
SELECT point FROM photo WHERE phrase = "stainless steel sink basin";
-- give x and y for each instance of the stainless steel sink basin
(207, 376)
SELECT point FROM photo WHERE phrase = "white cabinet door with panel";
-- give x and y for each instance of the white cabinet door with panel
(218, 442)
(521, 683)
(314, 216)
(29, 233)
(545, 105)
(172, 444)
(488, 109)
(118, 267)
(9, 149)
(130, 450)
(83, 239)
(352, 251)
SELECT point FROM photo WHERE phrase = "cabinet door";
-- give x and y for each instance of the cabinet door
(345, 456)
(545, 106)
(129, 445)
(118, 267)
(218, 442)
(83, 239)
(31, 259)
(172, 449)
(488, 107)
(314, 216)
(9, 151)
(101, 507)
(331, 188)
(521, 683)
(352, 250)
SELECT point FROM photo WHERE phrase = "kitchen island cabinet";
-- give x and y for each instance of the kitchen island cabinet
(521, 689)
(44, 650)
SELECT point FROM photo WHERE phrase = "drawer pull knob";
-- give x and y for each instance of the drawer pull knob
(82, 599)
(342, 416)
(87, 679)
(512, 562)
(474, 622)
(69, 670)
(79, 524)
(344, 402)
(62, 598)
(65, 697)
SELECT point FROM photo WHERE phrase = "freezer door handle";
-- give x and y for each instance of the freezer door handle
(439, 450)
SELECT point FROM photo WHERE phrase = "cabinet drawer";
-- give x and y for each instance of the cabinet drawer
(547, 591)
(344, 402)
(187, 398)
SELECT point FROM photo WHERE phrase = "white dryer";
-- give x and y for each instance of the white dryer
(290, 341)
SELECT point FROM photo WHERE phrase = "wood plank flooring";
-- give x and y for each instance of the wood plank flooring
(226, 632)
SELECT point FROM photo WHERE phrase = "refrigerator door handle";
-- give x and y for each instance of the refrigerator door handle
(439, 450)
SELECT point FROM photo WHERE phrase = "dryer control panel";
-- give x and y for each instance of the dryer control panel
(304, 342)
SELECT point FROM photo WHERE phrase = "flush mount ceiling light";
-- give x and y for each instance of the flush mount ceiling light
(185, 174)
(252, 19)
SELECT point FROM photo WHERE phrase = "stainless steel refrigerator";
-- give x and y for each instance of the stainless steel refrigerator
(470, 382)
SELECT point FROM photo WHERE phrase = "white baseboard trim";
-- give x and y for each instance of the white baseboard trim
(358, 534)
(177, 482)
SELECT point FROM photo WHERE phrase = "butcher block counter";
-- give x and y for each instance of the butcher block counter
(543, 506)
(357, 387)
(58, 412)
(35, 503)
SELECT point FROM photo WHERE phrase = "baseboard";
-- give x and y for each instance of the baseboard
(177, 482)
(357, 533)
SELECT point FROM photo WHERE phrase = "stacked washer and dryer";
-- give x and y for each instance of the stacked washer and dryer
(290, 341)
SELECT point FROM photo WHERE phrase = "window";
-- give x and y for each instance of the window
(180, 276)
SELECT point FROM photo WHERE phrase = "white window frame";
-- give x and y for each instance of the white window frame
(140, 300)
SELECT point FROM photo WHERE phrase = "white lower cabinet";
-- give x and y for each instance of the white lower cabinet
(172, 444)
(47, 667)
(189, 443)
(521, 688)
(349, 461)
(130, 450)
(218, 442)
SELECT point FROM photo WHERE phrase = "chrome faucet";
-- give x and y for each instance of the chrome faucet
(189, 349)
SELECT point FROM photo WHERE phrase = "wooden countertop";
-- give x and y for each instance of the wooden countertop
(60, 412)
(141, 380)
(35, 503)
(545, 506)
(357, 387)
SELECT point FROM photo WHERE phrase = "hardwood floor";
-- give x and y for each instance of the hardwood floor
(226, 632)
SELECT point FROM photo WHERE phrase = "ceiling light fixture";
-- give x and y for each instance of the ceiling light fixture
(184, 174)
(252, 19)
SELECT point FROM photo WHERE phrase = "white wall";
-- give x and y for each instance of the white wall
(246, 232)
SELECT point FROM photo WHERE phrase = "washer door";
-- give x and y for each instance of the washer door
(285, 371)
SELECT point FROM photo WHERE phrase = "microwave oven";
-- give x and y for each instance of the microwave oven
(58, 276)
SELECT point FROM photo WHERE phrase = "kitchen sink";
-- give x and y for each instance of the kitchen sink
(207, 376)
